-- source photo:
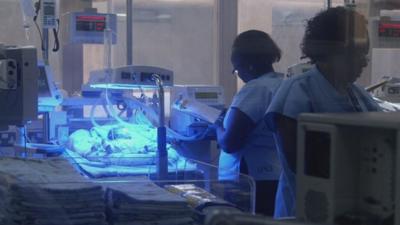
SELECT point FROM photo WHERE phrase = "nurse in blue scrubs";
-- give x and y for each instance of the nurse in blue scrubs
(247, 145)
(336, 42)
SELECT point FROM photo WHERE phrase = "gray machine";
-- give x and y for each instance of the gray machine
(18, 88)
(385, 45)
(348, 170)
(26, 89)
(189, 124)
(196, 142)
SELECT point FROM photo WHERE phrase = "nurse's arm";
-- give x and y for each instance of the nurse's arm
(233, 137)
(287, 132)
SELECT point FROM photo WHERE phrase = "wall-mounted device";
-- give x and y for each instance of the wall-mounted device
(48, 14)
(347, 168)
(389, 29)
(88, 27)
(385, 29)
(128, 77)
(385, 44)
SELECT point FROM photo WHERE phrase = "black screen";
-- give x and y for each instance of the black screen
(317, 154)
(49, 9)
(43, 84)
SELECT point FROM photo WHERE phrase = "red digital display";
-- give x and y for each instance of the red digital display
(389, 29)
(90, 18)
(90, 23)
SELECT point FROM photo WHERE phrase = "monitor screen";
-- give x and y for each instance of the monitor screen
(43, 83)
(206, 95)
(90, 23)
(389, 29)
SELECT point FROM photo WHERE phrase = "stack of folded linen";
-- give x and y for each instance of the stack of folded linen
(48, 192)
(144, 203)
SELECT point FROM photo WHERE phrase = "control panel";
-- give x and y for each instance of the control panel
(48, 12)
(207, 94)
(89, 27)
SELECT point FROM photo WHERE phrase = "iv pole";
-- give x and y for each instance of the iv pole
(162, 154)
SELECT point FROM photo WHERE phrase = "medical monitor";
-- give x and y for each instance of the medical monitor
(48, 94)
(347, 168)
(43, 83)
(88, 27)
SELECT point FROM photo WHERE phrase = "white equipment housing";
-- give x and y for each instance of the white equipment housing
(188, 123)
(207, 94)
(347, 168)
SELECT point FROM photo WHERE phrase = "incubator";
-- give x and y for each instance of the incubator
(108, 170)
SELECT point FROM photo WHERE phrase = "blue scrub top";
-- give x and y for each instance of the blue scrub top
(308, 93)
(259, 150)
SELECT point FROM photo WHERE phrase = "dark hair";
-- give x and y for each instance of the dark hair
(331, 31)
(256, 48)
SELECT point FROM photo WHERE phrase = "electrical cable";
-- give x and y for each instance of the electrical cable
(92, 110)
(121, 112)
(40, 35)
(110, 110)
(37, 9)
(142, 119)
(56, 46)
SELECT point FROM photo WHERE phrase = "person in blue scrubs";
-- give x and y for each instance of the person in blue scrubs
(336, 42)
(247, 146)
